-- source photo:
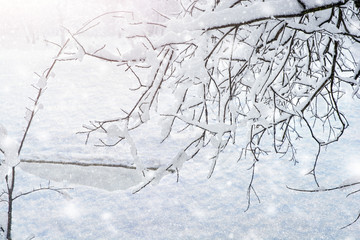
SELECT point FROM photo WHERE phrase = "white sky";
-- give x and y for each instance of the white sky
(20, 19)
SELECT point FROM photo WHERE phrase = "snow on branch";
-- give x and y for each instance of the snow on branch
(255, 12)
(233, 74)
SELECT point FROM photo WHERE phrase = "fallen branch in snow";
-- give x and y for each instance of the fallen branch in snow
(84, 164)
(332, 189)
(356, 219)
(324, 189)
(41, 188)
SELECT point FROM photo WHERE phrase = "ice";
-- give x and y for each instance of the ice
(145, 112)
(106, 178)
(28, 114)
(9, 147)
(80, 54)
(42, 82)
(134, 53)
(114, 132)
(165, 127)
(180, 159)
(39, 106)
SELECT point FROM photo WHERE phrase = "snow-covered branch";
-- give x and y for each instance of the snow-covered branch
(235, 72)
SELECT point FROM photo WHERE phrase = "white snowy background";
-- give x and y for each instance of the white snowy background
(193, 208)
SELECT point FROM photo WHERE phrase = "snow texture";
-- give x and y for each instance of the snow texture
(101, 205)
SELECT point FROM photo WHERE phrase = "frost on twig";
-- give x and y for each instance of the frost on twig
(9, 147)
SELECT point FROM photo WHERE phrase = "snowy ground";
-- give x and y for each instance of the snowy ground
(193, 208)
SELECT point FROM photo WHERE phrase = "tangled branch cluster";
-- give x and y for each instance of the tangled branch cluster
(266, 75)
